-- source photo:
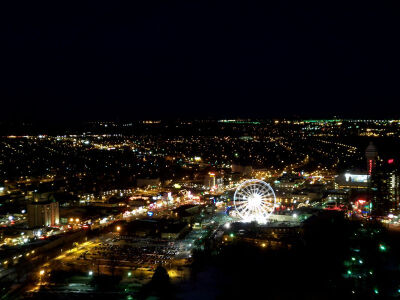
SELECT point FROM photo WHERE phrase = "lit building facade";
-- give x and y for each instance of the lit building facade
(385, 187)
(45, 213)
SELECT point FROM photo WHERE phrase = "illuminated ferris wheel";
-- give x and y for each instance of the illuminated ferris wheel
(254, 200)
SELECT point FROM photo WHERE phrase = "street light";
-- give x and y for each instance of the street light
(118, 228)
(41, 273)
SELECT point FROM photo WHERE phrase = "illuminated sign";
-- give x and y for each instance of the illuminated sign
(356, 178)
(370, 166)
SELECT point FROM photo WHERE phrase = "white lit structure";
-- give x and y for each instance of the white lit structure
(254, 200)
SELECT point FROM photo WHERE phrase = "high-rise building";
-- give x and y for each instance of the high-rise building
(213, 181)
(372, 155)
(385, 187)
(210, 180)
(43, 213)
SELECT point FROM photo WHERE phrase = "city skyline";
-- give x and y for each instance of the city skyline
(139, 208)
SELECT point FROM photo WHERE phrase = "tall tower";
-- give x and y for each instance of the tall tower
(385, 187)
(371, 154)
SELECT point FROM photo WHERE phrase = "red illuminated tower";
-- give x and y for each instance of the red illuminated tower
(371, 154)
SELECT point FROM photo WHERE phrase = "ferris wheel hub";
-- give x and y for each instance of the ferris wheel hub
(254, 200)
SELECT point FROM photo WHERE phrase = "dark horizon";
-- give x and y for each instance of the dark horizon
(32, 120)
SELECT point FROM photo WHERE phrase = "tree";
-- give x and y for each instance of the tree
(159, 285)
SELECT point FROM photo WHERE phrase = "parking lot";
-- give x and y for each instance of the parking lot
(132, 258)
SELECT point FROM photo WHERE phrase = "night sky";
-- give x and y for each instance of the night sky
(165, 59)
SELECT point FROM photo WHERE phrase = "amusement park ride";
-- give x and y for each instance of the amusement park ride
(254, 200)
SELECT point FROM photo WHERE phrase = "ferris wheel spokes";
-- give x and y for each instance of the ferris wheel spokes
(254, 200)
